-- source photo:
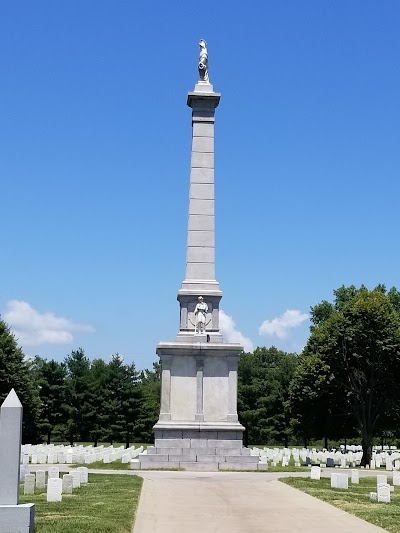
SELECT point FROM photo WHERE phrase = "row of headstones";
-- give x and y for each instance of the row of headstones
(341, 481)
(56, 486)
(86, 455)
(325, 458)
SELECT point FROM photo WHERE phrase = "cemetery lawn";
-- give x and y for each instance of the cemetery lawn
(355, 501)
(107, 504)
(99, 465)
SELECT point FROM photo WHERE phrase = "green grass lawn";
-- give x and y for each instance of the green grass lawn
(107, 504)
(99, 465)
(355, 500)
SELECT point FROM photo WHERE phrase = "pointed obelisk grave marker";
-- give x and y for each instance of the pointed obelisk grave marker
(14, 518)
(198, 427)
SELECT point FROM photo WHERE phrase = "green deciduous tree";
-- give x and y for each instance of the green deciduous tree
(350, 366)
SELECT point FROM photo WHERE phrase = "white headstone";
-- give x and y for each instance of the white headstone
(67, 483)
(396, 478)
(29, 484)
(22, 472)
(355, 476)
(383, 492)
(42, 458)
(84, 474)
(76, 478)
(40, 479)
(381, 478)
(315, 472)
(334, 481)
(373, 496)
(373, 464)
(54, 472)
(54, 489)
(342, 481)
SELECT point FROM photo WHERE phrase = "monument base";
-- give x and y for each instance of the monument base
(198, 446)
(17, 518)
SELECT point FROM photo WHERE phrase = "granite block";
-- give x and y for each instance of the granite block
(202, 175)
(201, 207)
(245, 451)
(200, 467)
(203, 144)
(199, 443)
(244, 459)
(17, 518)
(205, 451)
(202, 160)
(200, 270)
(172, 443)
(230, 435)
(192, 434)
(203, 129)
(227, 451)
(170, 434)
(202, 191)
(238, 466)
(161, 464)
(146, 459)
(262, 466)
(223, 443)
(135, 464)
(204, 458)
(200, 238)
(171, 451)
(201, 223)
(151, 450)
(200, 254)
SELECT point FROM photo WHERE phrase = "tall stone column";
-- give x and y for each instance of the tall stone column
(200, 254)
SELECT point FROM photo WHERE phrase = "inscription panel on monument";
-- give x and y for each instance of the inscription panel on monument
(215, 387)
(183, 388)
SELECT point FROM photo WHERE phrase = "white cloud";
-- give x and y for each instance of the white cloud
(32, 328)
(292, 318)
(231, 334)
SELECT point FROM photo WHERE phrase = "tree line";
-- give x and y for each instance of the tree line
(344, 385)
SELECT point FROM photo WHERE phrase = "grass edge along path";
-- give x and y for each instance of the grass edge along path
(355, 500)
(107, 504)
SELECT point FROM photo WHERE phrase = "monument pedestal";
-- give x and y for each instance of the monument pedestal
(17, 518)
(198, 427)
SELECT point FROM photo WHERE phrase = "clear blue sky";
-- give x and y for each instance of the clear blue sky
(95, 151)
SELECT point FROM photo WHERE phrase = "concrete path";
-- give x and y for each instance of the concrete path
(235, 502)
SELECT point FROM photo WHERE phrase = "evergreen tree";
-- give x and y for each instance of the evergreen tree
(15, 374)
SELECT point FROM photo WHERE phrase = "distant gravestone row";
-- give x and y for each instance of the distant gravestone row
(388, 458)
(60, 454)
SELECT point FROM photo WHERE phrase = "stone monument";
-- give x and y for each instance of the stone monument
(14, 517)
(198, 426)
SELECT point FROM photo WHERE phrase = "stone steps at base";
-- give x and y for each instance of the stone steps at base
(151, 459)
(196, 466)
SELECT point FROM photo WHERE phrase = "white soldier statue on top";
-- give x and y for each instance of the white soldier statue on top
(203, 61)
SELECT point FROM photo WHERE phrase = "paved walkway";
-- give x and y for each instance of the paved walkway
(235, 502)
